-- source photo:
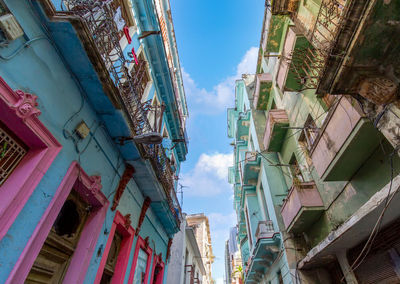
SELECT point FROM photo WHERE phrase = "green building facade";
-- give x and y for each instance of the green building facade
(316, 143)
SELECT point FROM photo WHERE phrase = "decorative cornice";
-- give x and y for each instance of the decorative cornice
(128, 221)
(95, 185)
(26, 105)
(146, 242)
(145, 206)
(126, 177)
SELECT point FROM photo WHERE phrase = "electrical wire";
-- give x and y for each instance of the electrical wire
(25, 45)
(368, 245)
(293, 134)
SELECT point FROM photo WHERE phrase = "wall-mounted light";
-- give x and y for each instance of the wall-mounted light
(147, 138)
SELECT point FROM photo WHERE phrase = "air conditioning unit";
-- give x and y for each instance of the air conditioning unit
(10, 27)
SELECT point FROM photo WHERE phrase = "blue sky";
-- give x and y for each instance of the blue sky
(217, 42)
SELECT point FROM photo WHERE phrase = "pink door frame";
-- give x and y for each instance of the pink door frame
(19, 112)
(158, 261)
(121, 225)
(89, 187)
(140, 244)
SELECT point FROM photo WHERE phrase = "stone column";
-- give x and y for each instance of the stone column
(346, 269)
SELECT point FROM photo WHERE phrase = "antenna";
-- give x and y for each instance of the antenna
(180, 190)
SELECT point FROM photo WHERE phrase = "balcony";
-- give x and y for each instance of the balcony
(251, 168)
(302, 207)
(346, 139)
(242, 126)
(272, 41)
(275, 130)
(282, 7)
(367, 51)
(98, 32)
(264, 253)
(300, 64)
(244, 249)
(263, 91)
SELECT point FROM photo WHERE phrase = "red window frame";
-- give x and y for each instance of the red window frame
(122, 226)
(157, 261)
(19, 112)
(141, 244)
(89, 188)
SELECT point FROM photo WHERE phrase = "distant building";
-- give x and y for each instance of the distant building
(186, 263)
(233, 261)
(228, 267)
(201, 227)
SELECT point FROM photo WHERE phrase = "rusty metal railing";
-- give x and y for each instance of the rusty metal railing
(99, 18)
(308, 63)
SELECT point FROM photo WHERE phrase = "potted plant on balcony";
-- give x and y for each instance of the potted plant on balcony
(239, 270)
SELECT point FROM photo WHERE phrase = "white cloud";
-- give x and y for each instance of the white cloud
(222, 95)
(218, 219)
(209, 177)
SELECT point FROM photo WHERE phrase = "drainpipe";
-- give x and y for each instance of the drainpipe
(346, 268)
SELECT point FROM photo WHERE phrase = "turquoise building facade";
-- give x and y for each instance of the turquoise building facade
(258, 191)
(93, 116)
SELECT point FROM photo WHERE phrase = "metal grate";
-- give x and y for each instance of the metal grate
(11, 153)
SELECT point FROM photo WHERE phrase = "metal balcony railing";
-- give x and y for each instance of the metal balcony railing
(265, 229)
(99, 19)
(308, 63)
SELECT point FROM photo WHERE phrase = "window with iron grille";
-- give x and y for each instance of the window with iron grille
(309, 133)
(12, 151)
(295, 170)
(140, 75)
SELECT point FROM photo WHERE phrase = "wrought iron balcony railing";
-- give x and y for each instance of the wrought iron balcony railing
(308, 63)
(265, 229)
(99, 19)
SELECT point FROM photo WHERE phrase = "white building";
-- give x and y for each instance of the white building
(186, 263)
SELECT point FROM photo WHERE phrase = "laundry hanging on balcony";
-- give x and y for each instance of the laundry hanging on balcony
(119, 21)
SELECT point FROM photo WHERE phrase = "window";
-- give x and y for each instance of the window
(140, 75)
(173, 163)
(54, 258)
(115, 258)
(140, 269)
(167, 142)
(309, 133)
(109, 268)
(295, 171)
(264, 203)
(121, 17)
(273, 104)
(248, 226)
(141, 263)
(158, 270)
(154, 113)
(27, 149)
(12, 151)
(280, 279)
(61, 246)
